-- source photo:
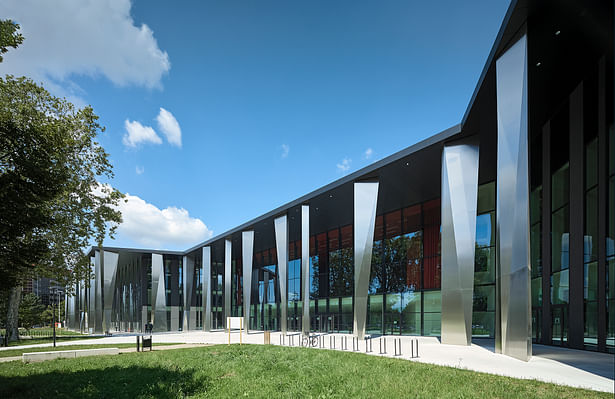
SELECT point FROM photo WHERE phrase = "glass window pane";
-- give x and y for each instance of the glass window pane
(559, 288)
(483, 324)
(432, 301)
(485, 230)
(484, 265)
(590, 281)
(536, 205)
(590, 242)
(486, 197)
(484, 298)
(591, 163)
(537, 292)
(591, 324)
(559, 239)
(374, 314)
(536, 249)
(560, 187)
(432, 324)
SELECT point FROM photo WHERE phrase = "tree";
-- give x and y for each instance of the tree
(30, 311)
(9, 37)
(52, 205)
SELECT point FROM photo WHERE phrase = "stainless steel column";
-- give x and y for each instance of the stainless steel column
(459, 197)
(98, 308)
(206, 288)
(512, 204)
(110, 270)
(82, 305)
(365, 201)
(281, 244)
(159, 302)
(247, 252)
(92, 299)
(188, 270)
(227, 278)
(305, 267)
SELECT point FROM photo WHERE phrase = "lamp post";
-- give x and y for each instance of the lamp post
(53, 314)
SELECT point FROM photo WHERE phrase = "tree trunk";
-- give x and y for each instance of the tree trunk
(12, 317)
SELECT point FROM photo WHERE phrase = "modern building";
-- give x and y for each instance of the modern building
(502, 226)
(47, 290)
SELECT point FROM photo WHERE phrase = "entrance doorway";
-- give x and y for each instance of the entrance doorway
(559, 326)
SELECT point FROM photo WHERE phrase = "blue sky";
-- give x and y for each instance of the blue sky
(273, 98)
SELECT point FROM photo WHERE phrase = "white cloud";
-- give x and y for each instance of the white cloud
(152, 227)
(66, 38)
(368, 153)
(285, 150)
(139, 169)
(136, 134)
(344, 166)
(170, 127)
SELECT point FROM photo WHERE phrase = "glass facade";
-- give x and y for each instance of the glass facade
(483, 307)
(560, 225)
(536, 204)
(405, 272)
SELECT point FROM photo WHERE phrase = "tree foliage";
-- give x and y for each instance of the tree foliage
(51, 203)
(30, 311)
(9, 36)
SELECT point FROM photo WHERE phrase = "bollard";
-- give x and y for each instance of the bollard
(417, 348)
(138, 350)
(412, 349)
(400, 347)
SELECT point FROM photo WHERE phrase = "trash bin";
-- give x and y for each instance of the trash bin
(267, 337)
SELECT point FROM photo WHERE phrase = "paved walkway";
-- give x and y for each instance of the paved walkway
(570, 367)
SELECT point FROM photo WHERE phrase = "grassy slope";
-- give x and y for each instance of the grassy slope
(262, 372)
(18, 352)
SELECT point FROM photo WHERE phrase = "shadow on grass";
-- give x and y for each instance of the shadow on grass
(111, 382)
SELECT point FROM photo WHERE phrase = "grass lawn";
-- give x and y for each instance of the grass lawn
(257, 371)
(18, 352)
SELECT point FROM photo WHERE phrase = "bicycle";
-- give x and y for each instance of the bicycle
(310, 340)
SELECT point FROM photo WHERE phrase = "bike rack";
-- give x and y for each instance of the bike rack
(368, 340)
(383, 340)
(397, 343)
(412, 344)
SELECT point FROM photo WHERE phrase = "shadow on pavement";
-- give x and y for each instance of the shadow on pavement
(601, 364)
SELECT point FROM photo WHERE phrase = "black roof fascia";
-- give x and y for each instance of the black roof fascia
(90, 252)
